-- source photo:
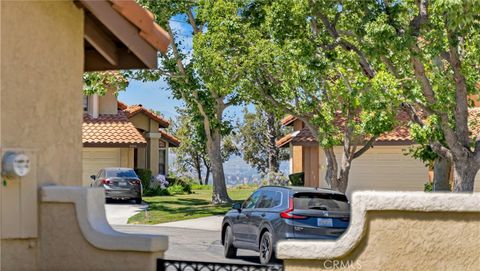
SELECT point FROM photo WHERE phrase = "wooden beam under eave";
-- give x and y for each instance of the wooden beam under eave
(94, 61)
(126, 32)
(100, 41)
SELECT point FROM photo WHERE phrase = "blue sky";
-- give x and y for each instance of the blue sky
(157, 95)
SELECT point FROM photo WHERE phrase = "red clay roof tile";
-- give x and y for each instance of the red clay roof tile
(170, 138)
(400, 134)
(110, 130)
(132, 110)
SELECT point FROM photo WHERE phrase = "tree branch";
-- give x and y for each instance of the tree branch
(365, 147)
(191, 19)
(461, 100)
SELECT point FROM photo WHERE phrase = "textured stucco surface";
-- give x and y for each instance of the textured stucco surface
(64, 248)
(41, 97)
(398, 231)
(91, 218)
(42, 64)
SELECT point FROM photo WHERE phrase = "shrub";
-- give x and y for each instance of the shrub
(184, 182)
(175, 189)
(145, 176)
(428, 187)
(297, 179)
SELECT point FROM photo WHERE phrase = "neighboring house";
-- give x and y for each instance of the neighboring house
(386, 166)
(118, 135)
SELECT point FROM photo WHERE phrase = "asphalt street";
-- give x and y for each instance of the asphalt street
(192, 244)
(192, 240)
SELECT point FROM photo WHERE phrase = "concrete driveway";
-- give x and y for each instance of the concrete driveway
(118, 212)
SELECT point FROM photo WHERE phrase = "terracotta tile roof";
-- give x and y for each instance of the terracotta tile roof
(145, 21)
(288, 119)
(400, 134)
(170, 138)
(121, 105)
(133, 110)
(110, 130)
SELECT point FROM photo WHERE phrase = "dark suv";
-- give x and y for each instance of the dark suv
(274, 213)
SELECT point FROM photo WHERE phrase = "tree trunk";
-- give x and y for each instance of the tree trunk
(441, 174)
(198, 168)
(220, 194)
(342, 180)
(331, 168)
(207, 174)
(207, 169)
(464, 172)
(272, 149)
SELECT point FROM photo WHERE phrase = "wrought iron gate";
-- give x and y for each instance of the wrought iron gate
(172, 265)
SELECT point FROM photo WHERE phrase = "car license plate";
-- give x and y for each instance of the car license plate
(122, 183)
(325, 222)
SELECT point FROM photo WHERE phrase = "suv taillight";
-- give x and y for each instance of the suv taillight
(287, 214)
(136, 182)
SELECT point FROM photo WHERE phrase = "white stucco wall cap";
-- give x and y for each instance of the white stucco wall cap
(90, 211)
(364, 201)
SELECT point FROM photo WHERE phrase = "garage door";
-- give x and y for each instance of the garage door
(386, 168)
(95, 159)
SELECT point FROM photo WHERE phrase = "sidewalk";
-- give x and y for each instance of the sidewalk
(209, 223)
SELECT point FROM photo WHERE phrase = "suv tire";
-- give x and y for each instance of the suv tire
(229, 250)
(267, 254)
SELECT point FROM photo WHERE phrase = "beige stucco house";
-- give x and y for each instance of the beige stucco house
(48, 221)
(117, 135)
(386, 166)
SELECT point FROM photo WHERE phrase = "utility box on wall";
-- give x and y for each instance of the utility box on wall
(19, 194)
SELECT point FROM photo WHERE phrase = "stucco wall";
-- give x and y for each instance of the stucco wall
(41, 98)
(37, 78)
(411, 241)
(107, 104)
(382, 168)
(141, 121)
(59, 223)
(397, 231)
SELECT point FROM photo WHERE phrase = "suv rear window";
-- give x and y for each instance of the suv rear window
(320, 201)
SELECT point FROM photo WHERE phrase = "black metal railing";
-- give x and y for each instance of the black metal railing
(173, 265)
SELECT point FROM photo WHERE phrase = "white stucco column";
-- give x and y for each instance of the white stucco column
(153, 151)
(95, 106)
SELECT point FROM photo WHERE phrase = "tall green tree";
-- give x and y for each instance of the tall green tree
(285, 66)
(425, 52)
(257, 135)
(179, 67)
(431, 48)
(191, 155)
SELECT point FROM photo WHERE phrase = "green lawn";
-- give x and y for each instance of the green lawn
(180, 207)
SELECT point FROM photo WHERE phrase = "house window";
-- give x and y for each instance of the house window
(85, 103)
(162, 162)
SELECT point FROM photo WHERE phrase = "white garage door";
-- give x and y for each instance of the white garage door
(95, 159)
(386, 168)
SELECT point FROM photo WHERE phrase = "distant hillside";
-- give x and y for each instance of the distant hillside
(238, 171)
